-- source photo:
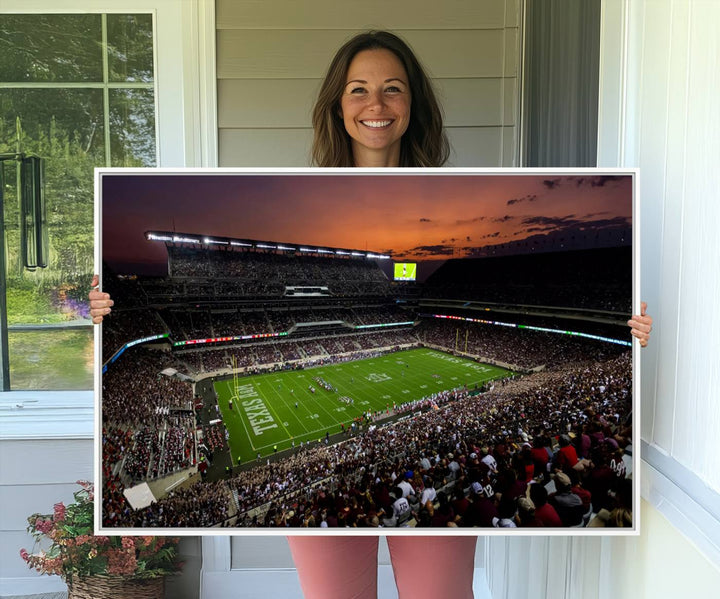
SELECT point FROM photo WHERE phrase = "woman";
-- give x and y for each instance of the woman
(377, 108)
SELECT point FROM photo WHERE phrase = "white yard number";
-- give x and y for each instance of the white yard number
(378, 377)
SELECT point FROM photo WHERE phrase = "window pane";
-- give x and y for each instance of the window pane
(50, 48)
(130, 47)
(66, 127)
(132, 127)
(56, 359)
(53, 122)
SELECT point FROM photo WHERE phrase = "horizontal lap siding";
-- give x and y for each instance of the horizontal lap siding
(35, 475)
(271, 60)
(331, 14)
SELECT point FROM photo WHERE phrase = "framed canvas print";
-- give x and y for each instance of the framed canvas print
(367, 352)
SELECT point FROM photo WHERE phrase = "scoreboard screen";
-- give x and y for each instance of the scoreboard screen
(405, 271)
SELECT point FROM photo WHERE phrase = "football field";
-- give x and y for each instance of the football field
(263, 411)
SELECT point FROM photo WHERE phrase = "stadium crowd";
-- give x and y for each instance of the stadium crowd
(541, 450)
(513, 346)
(485, 458)
(222, 274)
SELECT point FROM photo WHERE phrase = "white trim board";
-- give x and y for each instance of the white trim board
(46, 415)
(682, 497)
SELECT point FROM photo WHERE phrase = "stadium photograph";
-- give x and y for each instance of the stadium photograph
(378, 350)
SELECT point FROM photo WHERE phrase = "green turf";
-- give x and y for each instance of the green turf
(264, 413)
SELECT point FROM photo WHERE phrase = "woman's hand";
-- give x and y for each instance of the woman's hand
(100, 302)
(641, 325)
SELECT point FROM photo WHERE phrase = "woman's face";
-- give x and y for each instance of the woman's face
(375, 107)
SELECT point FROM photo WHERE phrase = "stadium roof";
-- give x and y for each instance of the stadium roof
(232, 243)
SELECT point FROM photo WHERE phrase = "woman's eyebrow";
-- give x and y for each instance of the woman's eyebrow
(363, 81)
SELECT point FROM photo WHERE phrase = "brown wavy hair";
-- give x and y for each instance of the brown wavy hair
(423, 144)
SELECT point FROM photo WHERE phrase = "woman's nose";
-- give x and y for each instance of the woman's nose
(376, 99)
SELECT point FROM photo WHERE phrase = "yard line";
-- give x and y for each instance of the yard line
(235, 398)
(286, 405)
(317, 400)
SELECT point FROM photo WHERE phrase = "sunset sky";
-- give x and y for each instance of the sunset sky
(413, 216)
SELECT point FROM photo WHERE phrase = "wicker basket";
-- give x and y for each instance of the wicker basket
(116, 587)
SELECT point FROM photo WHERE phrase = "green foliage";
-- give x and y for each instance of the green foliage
(69, 199)
(27, 303)
(66, 127)
(52, 359)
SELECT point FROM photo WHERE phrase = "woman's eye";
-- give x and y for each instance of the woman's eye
(357, 90)
(393, 89)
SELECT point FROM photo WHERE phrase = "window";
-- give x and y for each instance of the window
(78, 90)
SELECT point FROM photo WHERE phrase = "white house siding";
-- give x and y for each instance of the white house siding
(271, 58)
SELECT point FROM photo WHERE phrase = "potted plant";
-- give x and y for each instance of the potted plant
(96, 567)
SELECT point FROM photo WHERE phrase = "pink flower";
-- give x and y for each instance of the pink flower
(121, 561)
(44, 526)
(59, 509)
(128, 543)
(24, 555)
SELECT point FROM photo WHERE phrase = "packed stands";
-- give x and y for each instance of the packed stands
(468, 460)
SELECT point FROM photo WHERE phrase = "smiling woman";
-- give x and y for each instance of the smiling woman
(377, 107)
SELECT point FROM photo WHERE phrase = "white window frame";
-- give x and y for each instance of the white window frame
(186, 116)
(186, 130)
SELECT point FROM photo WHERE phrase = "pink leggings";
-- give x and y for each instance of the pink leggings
(342, 567)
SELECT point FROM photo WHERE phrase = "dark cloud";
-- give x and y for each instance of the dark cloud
(431, 250)
(468, 221)
(597, 181)
(527, 198)
(557, 223)
(550, 222)
(503, 219)
(602, 180)
(425, 220)
(606, 223)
